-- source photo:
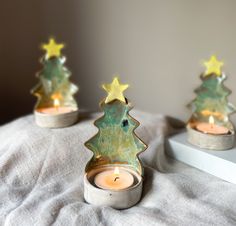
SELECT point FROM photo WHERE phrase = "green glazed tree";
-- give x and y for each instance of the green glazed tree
(54, 83)
(115, 142)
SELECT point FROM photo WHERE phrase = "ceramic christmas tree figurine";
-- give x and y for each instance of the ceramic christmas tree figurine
(116, 141)
(211, 109)
(115, 146)
(56, 106)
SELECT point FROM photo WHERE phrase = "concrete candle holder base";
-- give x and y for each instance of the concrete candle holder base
(118, 199)
(209, 141)
(56, 120)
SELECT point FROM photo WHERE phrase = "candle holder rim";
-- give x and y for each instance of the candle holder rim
(74, 109)
(216, 142)
(138, 177)
(54, 121)
(232, 131)
(121, 165)
(111, 190)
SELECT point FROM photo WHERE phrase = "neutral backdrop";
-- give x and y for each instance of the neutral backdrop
(157, 46)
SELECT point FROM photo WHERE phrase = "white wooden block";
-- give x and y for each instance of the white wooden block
(218, 163)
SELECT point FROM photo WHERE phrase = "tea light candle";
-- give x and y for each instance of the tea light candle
(56, 116)
(114, 179)
(211, 127)
(56, 109)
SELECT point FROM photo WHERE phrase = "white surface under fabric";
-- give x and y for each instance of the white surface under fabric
(41, 180)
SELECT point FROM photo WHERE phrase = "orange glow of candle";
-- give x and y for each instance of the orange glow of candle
(211, 127)
(211, 121)
(116, 179)
(56, 103)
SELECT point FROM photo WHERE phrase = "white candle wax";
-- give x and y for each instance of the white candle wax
(112, 180)
(55, 110)
(211, 127)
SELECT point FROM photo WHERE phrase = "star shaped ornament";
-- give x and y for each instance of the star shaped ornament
(115, 91)
(52, 48)
(213, 66)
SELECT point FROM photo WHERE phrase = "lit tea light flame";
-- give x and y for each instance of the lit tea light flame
(211, 128)
(56, 103)
(115, 178)
(211, 121)
(116, 173)
(56, 100)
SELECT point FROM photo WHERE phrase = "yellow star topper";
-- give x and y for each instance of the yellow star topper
(213, 66)
(115, 91)
(52, 48)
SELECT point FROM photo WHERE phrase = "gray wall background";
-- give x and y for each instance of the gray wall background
(157, 46)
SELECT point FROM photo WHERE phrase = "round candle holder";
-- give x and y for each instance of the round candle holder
(210, 141)
(59, 120)
(118, 199)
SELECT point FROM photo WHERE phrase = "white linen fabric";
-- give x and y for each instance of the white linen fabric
(41, 180)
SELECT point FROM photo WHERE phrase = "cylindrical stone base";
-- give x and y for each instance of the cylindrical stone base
(118, 199)
(56, 120)
(210, 141)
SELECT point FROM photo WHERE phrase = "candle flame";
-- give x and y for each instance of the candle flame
(116, 171)
(56, 103)
(56, 100)
(211, 120)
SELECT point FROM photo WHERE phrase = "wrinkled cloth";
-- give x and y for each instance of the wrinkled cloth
(41, 180)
